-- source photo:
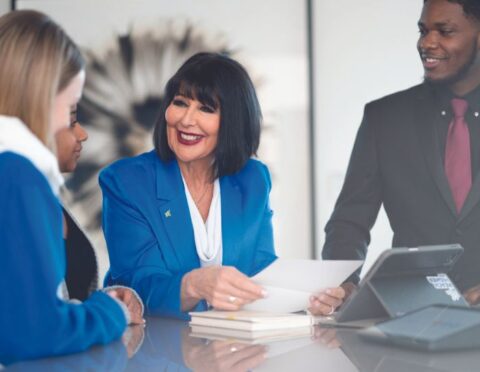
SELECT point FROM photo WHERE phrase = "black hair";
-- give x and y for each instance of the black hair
(218, 81)
(471, 8)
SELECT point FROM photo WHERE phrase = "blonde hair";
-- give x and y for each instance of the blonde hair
(37, 61)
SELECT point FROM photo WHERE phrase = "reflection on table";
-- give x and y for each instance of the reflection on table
(166, 345)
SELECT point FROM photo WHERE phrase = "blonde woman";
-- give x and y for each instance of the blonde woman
(41, 81)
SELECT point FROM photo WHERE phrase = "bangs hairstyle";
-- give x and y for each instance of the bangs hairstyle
(217, 81)
(37, 61)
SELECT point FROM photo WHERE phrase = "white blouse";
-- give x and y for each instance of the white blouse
(208, 235)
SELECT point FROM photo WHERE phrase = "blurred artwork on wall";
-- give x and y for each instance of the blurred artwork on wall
(132, 49)
(122, 97)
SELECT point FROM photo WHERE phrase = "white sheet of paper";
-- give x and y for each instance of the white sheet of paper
(290, 282)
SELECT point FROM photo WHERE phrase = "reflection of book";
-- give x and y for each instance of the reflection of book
(250, 320)
(277, 345)
(251, 337)
(313, 356)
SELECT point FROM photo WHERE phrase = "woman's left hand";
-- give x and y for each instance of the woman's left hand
(325, 303)
(134, 306)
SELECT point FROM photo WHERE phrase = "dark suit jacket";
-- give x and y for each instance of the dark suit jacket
(149, 232)
(396, 160)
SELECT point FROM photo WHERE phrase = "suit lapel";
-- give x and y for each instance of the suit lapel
(427, 133)
(472, 200)
(175, 214)
(232, 223)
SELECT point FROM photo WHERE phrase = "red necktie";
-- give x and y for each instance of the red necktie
(458, 166)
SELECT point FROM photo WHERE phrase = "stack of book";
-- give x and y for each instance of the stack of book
(250, 326)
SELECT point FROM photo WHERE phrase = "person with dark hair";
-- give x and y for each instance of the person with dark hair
(41, 81)
(214, 79)
(417, 152)
(470, 8)
(187, 224)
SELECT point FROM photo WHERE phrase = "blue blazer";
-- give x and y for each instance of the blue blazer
(35, 322)
(149, 232)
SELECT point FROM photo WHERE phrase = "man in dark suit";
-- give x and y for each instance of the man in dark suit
(418, 152)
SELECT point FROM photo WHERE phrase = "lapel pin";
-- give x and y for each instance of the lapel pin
(168, 213)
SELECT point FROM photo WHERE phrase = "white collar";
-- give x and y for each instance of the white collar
(17, 138)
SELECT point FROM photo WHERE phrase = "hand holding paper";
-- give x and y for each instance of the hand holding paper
(224, 287)
(291, 282)
(325, 302)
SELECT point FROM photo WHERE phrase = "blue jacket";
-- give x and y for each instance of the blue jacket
(35, 322)
(149, 232)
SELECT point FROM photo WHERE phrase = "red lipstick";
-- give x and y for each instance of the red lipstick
(188, 139)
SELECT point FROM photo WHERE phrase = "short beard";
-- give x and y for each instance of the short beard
(460, 75)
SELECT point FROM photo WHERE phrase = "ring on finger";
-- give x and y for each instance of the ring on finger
(232, 299)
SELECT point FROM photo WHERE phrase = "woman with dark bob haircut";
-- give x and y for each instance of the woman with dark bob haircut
(187, 223)
(223, 84)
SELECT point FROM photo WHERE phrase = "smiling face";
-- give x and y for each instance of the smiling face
(69, 134)
(449, 46)
(192, 129)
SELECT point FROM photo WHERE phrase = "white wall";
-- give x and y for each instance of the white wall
(4, 6)
(271, 39)
(363, 50)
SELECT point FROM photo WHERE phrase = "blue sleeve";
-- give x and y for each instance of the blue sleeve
(265, 252)
(35, 322)
(135, 257)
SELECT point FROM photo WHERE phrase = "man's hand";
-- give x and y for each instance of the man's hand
(472, 295)
(349, 288)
